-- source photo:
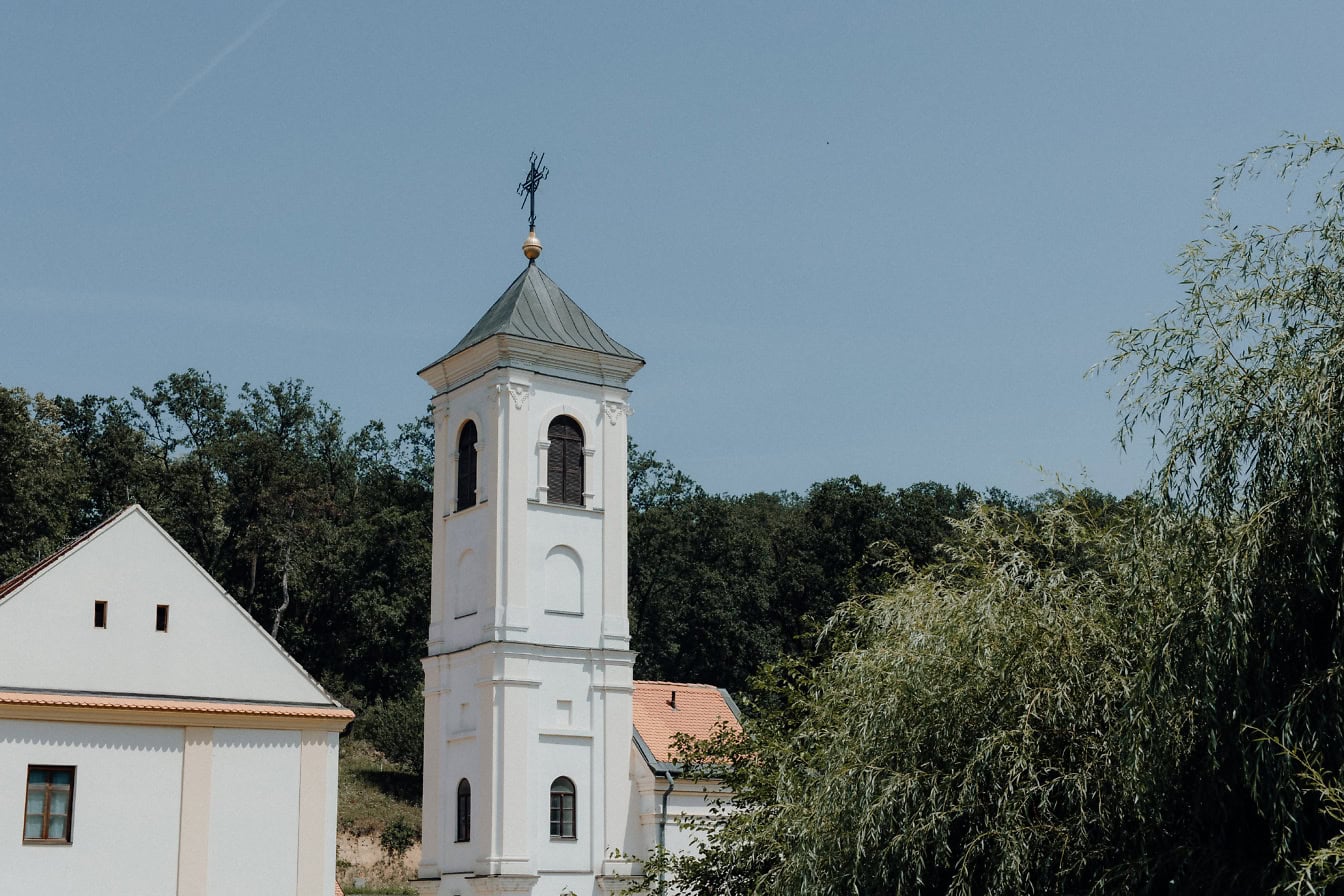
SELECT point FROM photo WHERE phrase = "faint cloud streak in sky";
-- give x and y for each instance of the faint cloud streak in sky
(266, 15)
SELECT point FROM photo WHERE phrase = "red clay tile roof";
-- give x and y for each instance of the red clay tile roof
(699, 708)
(13, 582)
(339, 891)
(39, 698)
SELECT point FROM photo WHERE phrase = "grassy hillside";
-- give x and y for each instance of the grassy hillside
(374, 791)
(378, 819)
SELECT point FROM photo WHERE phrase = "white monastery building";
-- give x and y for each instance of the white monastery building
(544, 759)
(153, 737)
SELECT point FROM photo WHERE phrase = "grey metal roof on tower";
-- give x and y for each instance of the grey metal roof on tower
(534, 307)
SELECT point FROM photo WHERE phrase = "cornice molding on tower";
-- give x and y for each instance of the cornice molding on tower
(530, 355)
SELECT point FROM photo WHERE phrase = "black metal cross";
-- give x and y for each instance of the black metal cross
(528, 188)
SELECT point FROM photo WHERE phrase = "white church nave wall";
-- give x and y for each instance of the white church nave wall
(163, 809)
(127, 790)
(255, 793)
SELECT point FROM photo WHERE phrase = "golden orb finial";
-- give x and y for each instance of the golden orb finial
(531, 246)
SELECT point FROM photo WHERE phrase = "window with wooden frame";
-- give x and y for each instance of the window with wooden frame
(463, 811)
(564, 462)
(562, 810)
(49, 806)
(466, 466)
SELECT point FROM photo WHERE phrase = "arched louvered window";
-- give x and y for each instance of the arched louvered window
(466, 466)
(463, 811)
(564, 462)
(562, 809)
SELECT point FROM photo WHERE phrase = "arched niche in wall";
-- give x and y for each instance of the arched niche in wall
(466, 584)
(564, 581)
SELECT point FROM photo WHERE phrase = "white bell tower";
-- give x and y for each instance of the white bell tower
(528, 677)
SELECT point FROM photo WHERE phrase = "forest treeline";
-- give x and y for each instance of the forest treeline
(723, 586)
(322, 531)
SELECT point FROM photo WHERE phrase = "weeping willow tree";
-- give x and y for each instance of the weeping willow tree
(1244, 385)
(988, 727)
(1145, 700)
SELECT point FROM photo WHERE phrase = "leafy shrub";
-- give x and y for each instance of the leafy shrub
(399, 836)
(396, 729)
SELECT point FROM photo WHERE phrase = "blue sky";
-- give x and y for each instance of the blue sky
(885, 239)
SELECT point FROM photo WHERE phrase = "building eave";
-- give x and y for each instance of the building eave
(133, 709)
(504, 350)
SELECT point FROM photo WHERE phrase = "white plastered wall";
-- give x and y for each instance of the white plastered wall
(254, 812)
(124, 831)
(130, 820)
(492, 558)
(690, 801)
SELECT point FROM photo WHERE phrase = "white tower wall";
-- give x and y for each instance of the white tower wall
(529, 673)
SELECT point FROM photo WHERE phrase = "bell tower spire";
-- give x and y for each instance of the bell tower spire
(529, 675)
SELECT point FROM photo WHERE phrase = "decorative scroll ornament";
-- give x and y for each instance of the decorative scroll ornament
(615, 409)
(518, 391)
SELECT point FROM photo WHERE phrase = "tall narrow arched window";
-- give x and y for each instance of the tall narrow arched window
(562, 809)
(564, 462)
(466, 466)
(463, 811)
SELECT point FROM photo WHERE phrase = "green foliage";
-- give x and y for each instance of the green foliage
(399, 836)
(42, 483)
(1244, 380)
(701, 581)
(982, 728)
(374, 792)
(721, 586)
(324, 535)
(395, 727)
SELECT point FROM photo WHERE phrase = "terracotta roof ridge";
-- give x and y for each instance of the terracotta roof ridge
(680, 684)
(139, 695)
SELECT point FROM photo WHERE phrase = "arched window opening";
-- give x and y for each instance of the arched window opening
(463, 811)
(562, 809)
(564, 462)
(466, 466)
